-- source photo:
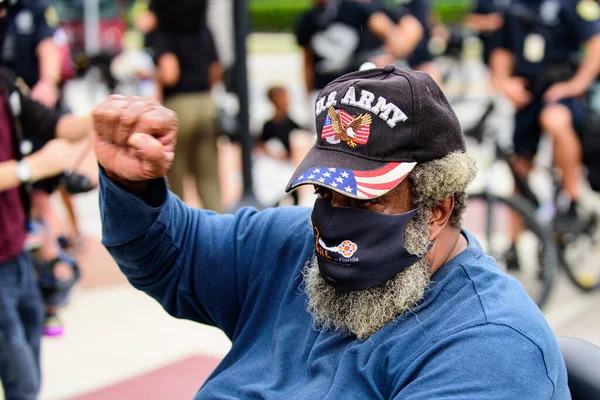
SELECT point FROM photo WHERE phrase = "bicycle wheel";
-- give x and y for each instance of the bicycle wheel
(580, 255)
(531, 257)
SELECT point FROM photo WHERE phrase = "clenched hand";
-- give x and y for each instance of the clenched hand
(134, 138)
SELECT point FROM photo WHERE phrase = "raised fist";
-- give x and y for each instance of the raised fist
(134, 138)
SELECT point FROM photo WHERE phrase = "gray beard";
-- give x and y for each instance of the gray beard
(364, 312)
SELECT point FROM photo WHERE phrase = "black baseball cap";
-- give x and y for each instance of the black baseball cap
(373, 127)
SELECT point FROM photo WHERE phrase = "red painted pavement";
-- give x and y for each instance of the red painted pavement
(180, 380)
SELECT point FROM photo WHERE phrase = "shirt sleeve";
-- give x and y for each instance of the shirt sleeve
(197, 264)
(489, 361)
(304, 31)
(418, 9)
(583, 16)
(42, 29)
(484, 7)
(503, 37)
(295, 124)
(162, 44)
(36, 119)
(364, 11)
(267, 132)
(212, 53)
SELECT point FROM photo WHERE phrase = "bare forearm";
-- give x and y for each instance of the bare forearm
(49, 61)
(308, 71)
(8, 172)
(215, 74)
(410, 34)
(475, 22)
(8, 175)
(168, 70)
(73, 128)
(501, 66)
(484, 22)
(400, 39)
(589, 69)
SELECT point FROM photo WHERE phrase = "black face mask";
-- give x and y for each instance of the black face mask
(358, 249)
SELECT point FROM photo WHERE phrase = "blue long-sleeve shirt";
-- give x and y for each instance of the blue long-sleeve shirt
(475, 335)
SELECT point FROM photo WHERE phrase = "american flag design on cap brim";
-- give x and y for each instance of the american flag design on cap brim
(362, 185)
(362, 135)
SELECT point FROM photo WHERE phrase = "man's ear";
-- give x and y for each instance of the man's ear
(441, 215)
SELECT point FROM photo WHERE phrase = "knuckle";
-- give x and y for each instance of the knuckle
(98, 113)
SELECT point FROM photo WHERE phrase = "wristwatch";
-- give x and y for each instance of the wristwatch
(23, 171)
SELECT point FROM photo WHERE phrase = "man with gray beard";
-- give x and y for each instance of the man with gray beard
(375, 293)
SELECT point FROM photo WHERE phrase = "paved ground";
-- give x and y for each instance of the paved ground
(119, 344)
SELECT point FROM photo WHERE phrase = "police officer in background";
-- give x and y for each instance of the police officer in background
(538, 67)
(412, 18)
(330, 33)
(487, 20)
(30, 51)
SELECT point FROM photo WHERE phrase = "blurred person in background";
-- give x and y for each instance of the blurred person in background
(539, 68)
(30, 51)
(406, 14)
(421, 59)
(487, 20)
(330, 33)
(279, 128)
(21, 305)
(187, 68)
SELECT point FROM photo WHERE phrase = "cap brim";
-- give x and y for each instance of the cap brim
(351, 176)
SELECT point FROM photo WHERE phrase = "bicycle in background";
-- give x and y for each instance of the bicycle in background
(533, 253)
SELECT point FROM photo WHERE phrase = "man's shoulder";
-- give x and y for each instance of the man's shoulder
(480, 317)
(499, 356)
(495, 299)
(471, 292)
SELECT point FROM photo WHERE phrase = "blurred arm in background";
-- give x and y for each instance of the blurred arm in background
(40, 122)
(586, 74)
(501, 70)
(484, 22)
(168, 70)
(49, 161)
(49, 62)
(309, 67)
(400, 39)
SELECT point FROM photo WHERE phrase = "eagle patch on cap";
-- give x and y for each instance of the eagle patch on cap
(339, 126)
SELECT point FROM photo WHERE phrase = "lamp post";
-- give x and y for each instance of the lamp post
(91, 27)
(240, 77)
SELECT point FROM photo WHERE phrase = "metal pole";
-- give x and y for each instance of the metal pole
(91, 26)
(241, 85)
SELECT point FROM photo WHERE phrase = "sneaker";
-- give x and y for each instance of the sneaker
(567, 220)
(53, 326)
(512, 259)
